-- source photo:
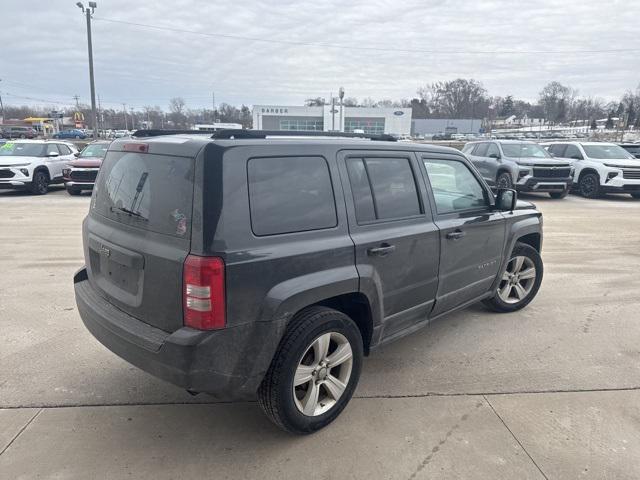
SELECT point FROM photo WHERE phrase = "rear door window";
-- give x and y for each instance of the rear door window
(146, 191)
(383, 188)
(290, 194)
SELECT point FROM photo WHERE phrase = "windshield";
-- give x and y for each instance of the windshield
(95, 150)
(606, 151)
(521, 150)
(14, 149)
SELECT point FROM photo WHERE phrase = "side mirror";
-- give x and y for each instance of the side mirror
(495, 155)
(76, 154)
(506, 199)
(53, 154)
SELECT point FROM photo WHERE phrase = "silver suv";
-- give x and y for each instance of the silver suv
(522, 165)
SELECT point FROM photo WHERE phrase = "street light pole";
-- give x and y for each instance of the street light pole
(94, 115)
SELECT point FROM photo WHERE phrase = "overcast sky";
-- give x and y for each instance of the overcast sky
(44, 54)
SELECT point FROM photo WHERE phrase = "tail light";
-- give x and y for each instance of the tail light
(203, 293)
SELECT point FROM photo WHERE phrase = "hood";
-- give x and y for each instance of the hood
(622, 162)
(86, 162)
(544, 162)
(14, 160)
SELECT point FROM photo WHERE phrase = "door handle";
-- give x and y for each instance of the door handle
(455, 235)
(381, 251)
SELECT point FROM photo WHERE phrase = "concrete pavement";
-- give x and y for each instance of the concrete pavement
(548, 392)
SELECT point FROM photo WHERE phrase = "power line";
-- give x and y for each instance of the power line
(366, 48)
(37, 99)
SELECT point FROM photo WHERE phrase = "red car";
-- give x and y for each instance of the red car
(80, 174)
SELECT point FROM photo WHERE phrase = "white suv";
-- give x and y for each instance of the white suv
(34, 164)
(600, 167)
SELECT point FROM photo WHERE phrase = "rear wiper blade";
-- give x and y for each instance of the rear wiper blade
(128, 212)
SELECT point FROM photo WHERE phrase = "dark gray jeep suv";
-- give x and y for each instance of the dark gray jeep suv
(246, 265)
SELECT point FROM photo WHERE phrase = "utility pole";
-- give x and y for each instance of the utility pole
(124, 112)
(94, 115)
(77, 98)
(1, 108)
(341, 95)
(100, 114)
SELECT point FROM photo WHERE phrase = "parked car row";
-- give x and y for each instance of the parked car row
(16, 131)
(590, 168)
(33, 165)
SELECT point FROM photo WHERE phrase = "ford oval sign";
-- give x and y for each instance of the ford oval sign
(398, 112)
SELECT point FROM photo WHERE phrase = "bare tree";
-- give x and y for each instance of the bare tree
(556, 100)
(177, 112)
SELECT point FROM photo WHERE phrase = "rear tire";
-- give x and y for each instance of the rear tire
(73, 191)
(559, 195)
(520, 282)
(504, 180)
(39, 183)
(589, 185)
(322, 352)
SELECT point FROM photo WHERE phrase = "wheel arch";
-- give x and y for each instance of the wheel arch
(41, 168)
(506, 169)
(587, 170)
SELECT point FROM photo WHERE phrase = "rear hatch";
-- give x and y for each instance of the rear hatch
(138, 234)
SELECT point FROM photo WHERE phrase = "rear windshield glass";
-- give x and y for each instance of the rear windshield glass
(14, 149)
(151, 192)
(606, 151)
(523, 150)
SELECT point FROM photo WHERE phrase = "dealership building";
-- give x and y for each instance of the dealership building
(374, 121)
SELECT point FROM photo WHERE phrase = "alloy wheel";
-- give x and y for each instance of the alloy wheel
(322, 374)
(504, 181)
(588, 186)
(41, 183)
(517, 280)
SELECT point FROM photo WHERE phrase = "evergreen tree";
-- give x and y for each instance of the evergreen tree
(594, 125)
(609, 124)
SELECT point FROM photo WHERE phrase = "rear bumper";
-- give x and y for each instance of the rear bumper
(536, 184)
(228, 364)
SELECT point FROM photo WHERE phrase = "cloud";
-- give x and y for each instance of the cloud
(145, 66)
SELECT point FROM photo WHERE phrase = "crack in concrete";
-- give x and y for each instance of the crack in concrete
(422, 465)
(359, 397)
(515, 438)
(21, 430)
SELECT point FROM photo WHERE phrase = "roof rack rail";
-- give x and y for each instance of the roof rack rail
(248, 134)
(157, 132)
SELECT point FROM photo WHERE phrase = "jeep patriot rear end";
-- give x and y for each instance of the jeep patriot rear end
(268, 267)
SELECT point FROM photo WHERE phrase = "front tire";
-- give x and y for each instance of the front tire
(314, 372)
(504, 180)
(559, 195)
(589, 185)
(520, 281)
(39, 183)
(73, 191)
